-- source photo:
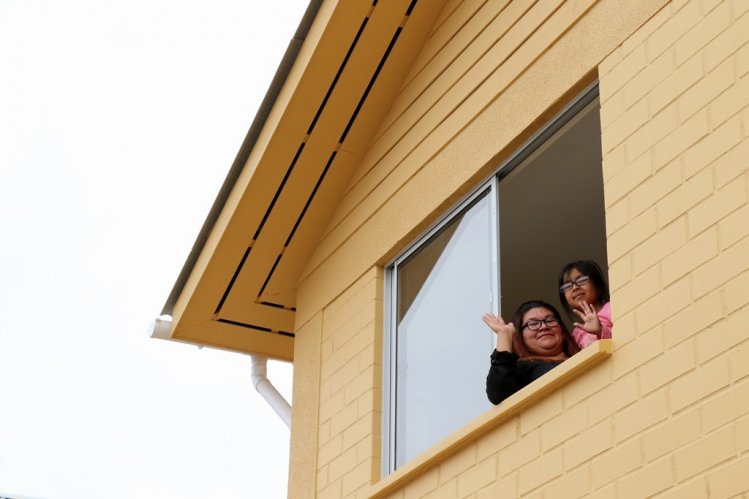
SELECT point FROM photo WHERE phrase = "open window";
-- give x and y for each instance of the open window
(502, 245)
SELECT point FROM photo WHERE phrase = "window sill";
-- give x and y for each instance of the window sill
(510, 407)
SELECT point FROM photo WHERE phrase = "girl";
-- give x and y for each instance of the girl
(584, 292)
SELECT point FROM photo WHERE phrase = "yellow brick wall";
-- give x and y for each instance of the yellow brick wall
(668, 414)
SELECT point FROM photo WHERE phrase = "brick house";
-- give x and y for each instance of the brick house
(417, 162)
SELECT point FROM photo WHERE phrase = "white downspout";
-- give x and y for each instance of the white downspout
(161, 328)
(265, 388)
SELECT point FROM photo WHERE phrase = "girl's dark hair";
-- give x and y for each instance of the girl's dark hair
(518, 343)
(590, 269)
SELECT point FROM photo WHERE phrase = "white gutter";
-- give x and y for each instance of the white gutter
(161, 328)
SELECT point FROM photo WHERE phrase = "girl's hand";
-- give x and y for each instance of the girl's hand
(503, 330)
(591, 324)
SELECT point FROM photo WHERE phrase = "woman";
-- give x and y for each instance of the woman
(542, 344)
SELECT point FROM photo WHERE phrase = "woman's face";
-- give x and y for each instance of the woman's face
(545, 340)
(578, 294)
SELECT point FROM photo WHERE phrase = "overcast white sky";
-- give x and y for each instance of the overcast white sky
(118, 123)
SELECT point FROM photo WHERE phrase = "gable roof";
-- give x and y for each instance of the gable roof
(341, 72)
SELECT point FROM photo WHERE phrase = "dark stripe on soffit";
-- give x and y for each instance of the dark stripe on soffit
(350, 123)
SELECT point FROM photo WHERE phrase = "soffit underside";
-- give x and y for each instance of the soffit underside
(243, 291)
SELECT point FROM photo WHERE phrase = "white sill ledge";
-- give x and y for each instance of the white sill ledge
(510, 407)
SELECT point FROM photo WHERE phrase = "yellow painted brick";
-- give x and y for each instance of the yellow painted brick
(741, 429)
(646, 30)
(613, 398)
(655, 72)
(665, 304)
(616, 463)
(608, 492)
(672, 435)
(694, 489)
(332, 491)
(448, 490)
(648, 481)
(360, 385)
(611, 109)
(536, 415)
(477, 477)
(339, 379)
(355, 326)
(623, 71)
(342, 464)
(698, 384)
(498, 438)
(361, 475)
(640, 288)
(369, 403)
(736, 293)
(611, 61)
(652, 132)
(653, 189)
(708, 88)
(732, 164)
(724, 138)
(717, 206)
(540, 471)
(673, 363)
(640, 415)
(644, 347)
(673, 29)
(617, 216)
(571, 485)
(422, 484)
(706, 30)
(731, 479)
(613, 162)
(739, 368)
(627, 122)
(726, 407)
(629, 236)
(699, 250)
(369, 448)
(742, 59)
(629, 178)
(620, 272)
(663, 243)
(363, 427)
(704, 453)
(458, 463)
(739, 8)
(626, 328)
(331, 405)
(688, 133)
(322, 477)
(522, 451)
(695, 318)
(681, 199)
(730, 263)
(583, 387)
(323, 433)
(674, 85)
(344, 418)
(729, 102)
(587, 444)
(564, 426)
(505, 487)
(723, 335)
(330, 450)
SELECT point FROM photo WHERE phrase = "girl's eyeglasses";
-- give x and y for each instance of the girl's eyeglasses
(577, 282)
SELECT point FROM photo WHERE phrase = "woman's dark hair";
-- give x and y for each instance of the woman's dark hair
(590, 269)
(518, 343)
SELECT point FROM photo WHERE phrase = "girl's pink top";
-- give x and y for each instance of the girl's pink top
(583, 338)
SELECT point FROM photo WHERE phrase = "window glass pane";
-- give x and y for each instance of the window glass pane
(441, 343)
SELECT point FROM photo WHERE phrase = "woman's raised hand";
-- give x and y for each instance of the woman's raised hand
(503, 330)
(591, 323)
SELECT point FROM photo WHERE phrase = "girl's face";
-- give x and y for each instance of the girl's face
(580, 293)
(540, 338)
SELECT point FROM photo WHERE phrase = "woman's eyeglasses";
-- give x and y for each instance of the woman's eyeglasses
(535, 324)
(577, 282)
